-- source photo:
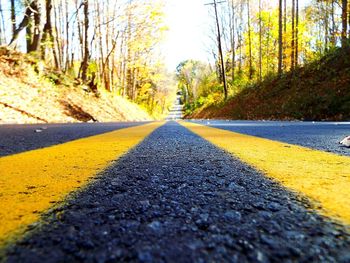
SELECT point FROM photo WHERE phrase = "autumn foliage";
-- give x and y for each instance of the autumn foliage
(317, 91)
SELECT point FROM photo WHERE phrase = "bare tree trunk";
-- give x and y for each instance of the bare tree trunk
(280, 36)
(284, 60)
(37, 31)
(67, 37)
(333, 37)
(326, 27)
(33, 30)
(239, 36)
(13, 17)
(2, 27)
(85, 62)
(233, 42)
(128, 70)
(24, 23)
(292, 59)
(57, 38)
(297, 34)
(48, 38)
(267, 49)
(260, 44)
(250, 42)
(221, 52)
(29, 34)
(344, 23)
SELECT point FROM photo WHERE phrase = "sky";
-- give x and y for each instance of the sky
(189, 25)
(188, 37)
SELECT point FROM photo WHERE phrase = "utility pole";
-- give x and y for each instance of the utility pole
(220, 47)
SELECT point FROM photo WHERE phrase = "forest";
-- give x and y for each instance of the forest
(104, 45)
(115, 47)
(259, 45)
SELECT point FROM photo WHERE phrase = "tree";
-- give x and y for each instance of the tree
(260, 44)
(25, 21)
(221, 55)
(86, 54)
(2, 26)
(296, 60)
(232, 27)
(280, 38)
(13, 17)
(344, 18)
(249, 42)
(48, 38)
(292, 63)
(34, 31)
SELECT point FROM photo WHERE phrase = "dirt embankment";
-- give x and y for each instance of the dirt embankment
(31, 93)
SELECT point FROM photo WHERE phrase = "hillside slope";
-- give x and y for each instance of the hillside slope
(29, 93)
(318, 91)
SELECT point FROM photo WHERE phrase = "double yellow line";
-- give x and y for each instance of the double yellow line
(322, 177)
(31, 182)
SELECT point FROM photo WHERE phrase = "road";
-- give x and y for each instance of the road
(323, 136)
(20, 138)
(180, 194)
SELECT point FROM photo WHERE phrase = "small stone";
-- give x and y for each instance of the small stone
(261, 257)
(111, 217)
(203, 221)
(156, 226)
(235, 187)
(194, 245)
(145, 256)
(115, 183)
(204, 217)
(265, 215)
(274, 207)
(233, 216)
(145, 204)
(214, 229)
(194, 228)
(272, 243)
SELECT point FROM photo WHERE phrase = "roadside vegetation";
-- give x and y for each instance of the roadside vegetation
(32, 93)
(83, 53)
(318, 91)
(285, 60)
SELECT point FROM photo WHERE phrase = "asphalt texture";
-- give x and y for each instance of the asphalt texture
(20, 138)
(177, 198)
(324, 136)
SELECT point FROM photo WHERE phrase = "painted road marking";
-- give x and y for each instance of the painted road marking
(31, 181)
(321, 176)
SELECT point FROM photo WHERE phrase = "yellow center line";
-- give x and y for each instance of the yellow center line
(32, 181)
(323, 177)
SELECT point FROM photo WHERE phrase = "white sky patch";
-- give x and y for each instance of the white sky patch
(190, 27)
(188, 36)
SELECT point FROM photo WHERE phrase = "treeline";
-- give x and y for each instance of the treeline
(261, 39)
(111, 45)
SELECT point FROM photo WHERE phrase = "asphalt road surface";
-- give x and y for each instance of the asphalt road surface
(19, 138)
(178, 198)
(324, 136)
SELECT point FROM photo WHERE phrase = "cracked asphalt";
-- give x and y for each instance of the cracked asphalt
(177, 198)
